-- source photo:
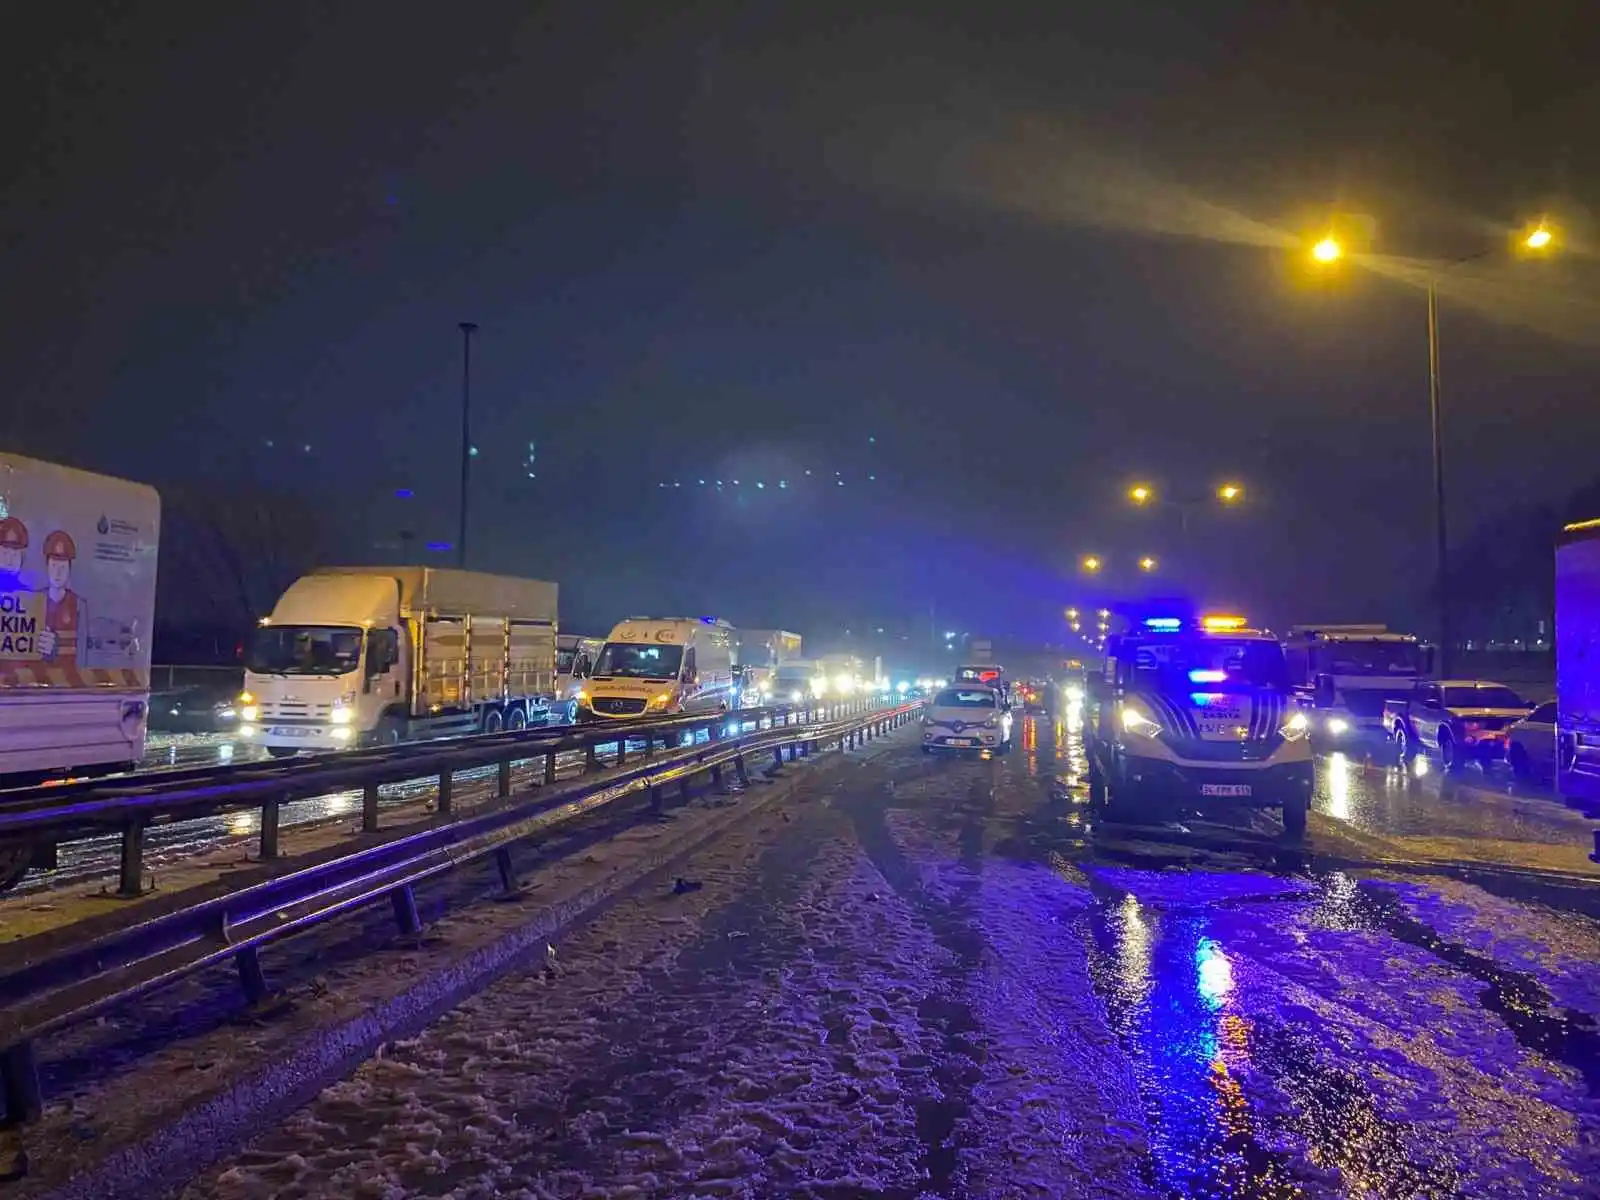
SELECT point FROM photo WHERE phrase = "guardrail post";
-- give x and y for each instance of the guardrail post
(741, 770)
(716, 776)
(591, 759)
(649, 745)
(550, 766)
(251, 976)
(777, 759)
(19, 1083)
(655, 800)
(622, 749)
(447, 780)
(369, 808)
(503, 782)
(404, 902)
(270, 812)
(130, 882)
(507, 871)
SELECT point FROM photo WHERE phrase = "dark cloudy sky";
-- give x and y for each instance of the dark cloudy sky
(1030, 251)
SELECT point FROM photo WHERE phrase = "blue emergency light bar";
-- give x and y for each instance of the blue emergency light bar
(1164, 624)
(1205, 676)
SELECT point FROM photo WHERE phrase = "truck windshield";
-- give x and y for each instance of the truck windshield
(1483, 697)
(1370, 658)
(639, 660)
(1187, 663)
(305, 650)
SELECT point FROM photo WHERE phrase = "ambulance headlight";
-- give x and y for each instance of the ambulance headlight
(1296, 727)
(1338, 726)
(340, 715)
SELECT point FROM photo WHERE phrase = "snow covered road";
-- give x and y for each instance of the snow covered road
(939, 978)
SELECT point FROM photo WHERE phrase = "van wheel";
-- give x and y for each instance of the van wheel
(493, 722)
(15, 859)
(517, 718)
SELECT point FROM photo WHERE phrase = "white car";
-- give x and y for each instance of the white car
(1531, 744)
(966, 717)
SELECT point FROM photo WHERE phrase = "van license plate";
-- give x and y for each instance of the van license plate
(292, 731)
(1224, 789)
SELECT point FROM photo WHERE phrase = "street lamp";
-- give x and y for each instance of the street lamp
(1139, 493)
(467, 328)
(1091, 563)
(1230, 493)
(1536, 239)
(1147, 563)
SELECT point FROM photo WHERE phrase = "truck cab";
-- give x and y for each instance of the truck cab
(656, 667)
(1344, 674)
(1197, 715)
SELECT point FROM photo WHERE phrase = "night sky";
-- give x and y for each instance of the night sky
(987, 263)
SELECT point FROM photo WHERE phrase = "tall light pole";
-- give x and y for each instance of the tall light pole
(468, 328)
(1328, 251)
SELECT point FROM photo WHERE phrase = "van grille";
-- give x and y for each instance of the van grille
(618, 706)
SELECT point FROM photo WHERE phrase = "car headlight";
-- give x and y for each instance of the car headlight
(991, 722)
(1295, 728)
(1338, 726)
(249, 713)
(342, 715)
(661, 701)
(1134, 721)
(226, 712)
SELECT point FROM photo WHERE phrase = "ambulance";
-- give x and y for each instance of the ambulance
(1197, 715)
(662, 666)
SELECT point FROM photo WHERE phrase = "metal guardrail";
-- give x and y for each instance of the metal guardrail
(82, 980)
(130, 804)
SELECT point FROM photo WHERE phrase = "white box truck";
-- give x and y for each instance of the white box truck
(1578, 662)
(77, 605)
(760, 655)
(378, 655)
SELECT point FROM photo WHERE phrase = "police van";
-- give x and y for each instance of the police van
(1197, 715)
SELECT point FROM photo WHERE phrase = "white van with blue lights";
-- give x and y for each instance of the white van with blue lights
(1198, 714)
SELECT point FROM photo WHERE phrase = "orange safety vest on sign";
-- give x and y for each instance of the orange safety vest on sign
(62, 616)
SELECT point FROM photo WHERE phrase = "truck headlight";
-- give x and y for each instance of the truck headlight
(250, 712)
(1134, 721)
(1295, 728)
(342, 715)
(581, 697)
(661, 701)
(796, 696)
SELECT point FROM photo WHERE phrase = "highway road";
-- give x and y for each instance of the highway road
(948, 978)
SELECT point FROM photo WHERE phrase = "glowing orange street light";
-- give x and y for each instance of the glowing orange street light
(1539, 237)
(1327, 250)
(1092, 563)
(1147, 563)
(1228, 493)
(1139, 493)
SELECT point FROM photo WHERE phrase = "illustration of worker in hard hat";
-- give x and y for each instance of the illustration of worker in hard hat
(65, 616)
(13, 550)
